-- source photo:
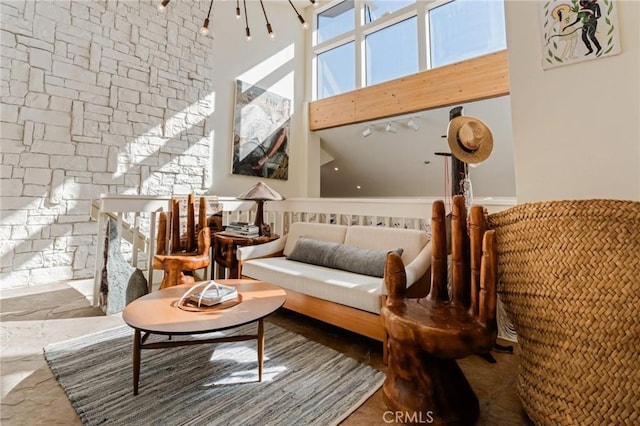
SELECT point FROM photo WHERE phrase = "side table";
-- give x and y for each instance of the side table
(224, 252)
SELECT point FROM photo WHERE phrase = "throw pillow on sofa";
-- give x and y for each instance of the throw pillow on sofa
(315, 252)
(341, 256)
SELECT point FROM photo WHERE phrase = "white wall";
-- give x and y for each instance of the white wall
(97, 97)
(275, 64)
(111, 96)
(576, 128)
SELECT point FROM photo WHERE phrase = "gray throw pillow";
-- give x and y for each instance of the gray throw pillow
(341, 256)
(315, 252)
(363, 261)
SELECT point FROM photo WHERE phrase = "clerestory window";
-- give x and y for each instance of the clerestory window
(358, 43)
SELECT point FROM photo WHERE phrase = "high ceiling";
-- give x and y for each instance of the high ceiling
(404, 163)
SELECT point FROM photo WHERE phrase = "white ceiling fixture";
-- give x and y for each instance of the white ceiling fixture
(391, 128)
(413, 124)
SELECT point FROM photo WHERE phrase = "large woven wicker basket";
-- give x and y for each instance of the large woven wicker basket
(569, 277)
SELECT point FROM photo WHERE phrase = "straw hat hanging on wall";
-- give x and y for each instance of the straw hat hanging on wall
(470, 140)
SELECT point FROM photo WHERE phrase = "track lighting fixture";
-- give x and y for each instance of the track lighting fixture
(390, 128)
(367, 131)
(413, 124)
(269, 29)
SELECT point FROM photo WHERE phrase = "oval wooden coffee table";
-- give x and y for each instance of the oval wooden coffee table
(158, 313)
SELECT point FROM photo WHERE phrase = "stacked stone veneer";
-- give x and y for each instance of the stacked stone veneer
(100, 96)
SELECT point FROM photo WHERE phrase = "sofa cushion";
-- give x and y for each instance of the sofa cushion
(340, 256)
(316, 231)
(346, 288)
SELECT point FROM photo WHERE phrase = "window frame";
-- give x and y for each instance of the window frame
(374, 29)
(420, 9)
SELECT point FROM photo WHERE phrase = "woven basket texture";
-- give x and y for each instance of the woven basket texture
(569, 277)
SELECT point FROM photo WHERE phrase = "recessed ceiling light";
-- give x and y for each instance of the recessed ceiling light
(336, 169)
(358, 187)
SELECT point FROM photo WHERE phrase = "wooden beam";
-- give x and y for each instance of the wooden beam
(472, 80)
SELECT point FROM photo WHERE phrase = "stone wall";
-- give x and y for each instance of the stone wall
(99, 96)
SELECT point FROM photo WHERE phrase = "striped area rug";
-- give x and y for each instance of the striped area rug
(303, 383)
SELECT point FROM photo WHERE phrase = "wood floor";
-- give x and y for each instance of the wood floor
(34, 317)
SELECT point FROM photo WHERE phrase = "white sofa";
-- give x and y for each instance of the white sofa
(346, 299)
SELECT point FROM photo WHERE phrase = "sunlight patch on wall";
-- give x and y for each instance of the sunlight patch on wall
(174, 136)
(267, 67)
(190, 116)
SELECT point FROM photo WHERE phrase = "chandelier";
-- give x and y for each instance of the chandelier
(204, 30)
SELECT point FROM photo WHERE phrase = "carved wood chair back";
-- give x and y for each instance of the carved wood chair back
(182, 248)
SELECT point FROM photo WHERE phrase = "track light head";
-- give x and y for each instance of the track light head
(367, 131)
(391, 128)
(413, 124)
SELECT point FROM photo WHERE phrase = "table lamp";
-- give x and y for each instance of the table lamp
(260, 193)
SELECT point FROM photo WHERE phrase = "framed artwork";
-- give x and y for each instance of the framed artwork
(261, 132)
(578, 30)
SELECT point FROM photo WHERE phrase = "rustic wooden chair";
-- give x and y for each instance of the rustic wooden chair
(179, 252)
(427, 335)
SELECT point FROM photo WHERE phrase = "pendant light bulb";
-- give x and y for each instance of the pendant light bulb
(205, 28)
(303, 22)
(163, 6)
(300, 18)
(247, 31)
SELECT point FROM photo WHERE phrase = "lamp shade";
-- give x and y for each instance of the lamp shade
(261, 192)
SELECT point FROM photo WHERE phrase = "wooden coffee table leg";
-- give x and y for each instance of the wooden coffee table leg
(260, 348)
(136, 360)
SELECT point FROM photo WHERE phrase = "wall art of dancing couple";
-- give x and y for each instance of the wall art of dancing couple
(578, 30)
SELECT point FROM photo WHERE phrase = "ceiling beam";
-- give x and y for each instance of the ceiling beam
(479, 78)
